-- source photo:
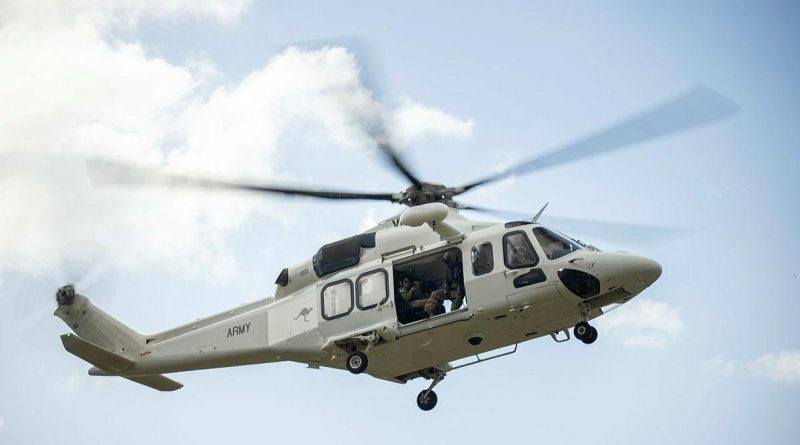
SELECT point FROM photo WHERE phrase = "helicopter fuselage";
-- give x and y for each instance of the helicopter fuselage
(322, 320)
(476, 286)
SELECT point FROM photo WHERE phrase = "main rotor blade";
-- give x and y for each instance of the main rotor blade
(505, 214)
(699, 106)
(634, 234)
(371, 71)
(395, 160)
(637, 234)
(103, 172)
(370, 77)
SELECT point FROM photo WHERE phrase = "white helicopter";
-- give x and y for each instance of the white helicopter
(478, 286)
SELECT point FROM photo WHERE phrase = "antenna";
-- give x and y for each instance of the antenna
(539, 213)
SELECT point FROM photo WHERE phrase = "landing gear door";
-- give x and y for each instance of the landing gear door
(525, 278)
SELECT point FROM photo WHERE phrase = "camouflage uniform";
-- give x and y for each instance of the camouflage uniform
(413, 296)
(453, 287)
(438, 296)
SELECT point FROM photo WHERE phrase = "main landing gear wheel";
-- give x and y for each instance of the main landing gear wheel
(582, 330)
(592, 336)
(427, 403)
(585, 332)
(357, 362)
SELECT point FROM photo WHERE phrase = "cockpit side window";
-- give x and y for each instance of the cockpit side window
(518, 251)
(482, 258)
(554, 244)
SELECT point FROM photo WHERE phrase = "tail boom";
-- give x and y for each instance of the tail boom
(232, 338)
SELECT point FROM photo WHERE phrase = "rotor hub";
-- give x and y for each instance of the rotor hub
(65, 295)
(427, 193)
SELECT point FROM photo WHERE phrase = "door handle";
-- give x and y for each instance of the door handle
(512, 273)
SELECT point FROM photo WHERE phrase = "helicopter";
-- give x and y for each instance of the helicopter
(478, 287)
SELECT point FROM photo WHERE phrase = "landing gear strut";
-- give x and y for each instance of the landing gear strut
(357, 360)
(583, 330)
(426, 400)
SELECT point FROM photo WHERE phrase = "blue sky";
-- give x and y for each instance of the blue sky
(708, 354)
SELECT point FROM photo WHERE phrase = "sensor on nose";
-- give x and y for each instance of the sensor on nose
(580, 283)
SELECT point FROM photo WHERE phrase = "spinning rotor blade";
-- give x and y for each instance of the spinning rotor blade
(84, 264)
(519, 216)
(604, 230)
(370, 77)
(104, 172)
(636, 234)
(699, 106)
(397, 162)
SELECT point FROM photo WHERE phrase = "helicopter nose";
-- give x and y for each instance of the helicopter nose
(635, 272)
(597, 273)
(646, 270)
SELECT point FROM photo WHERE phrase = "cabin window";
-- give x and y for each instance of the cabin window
(337, 299)
(554, 244)
(372, 289)
(532, 277)
(518, 251)
(482, 258)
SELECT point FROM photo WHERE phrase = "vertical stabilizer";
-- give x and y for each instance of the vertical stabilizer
(94, 325)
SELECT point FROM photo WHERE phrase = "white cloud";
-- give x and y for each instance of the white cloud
(104, 14)
(720, 365)
(643, 323)
(781, 368)
(413, 121)
(69, 91)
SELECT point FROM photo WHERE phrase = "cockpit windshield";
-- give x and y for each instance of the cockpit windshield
(554, 244)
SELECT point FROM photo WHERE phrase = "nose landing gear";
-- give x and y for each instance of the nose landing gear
(426, 400)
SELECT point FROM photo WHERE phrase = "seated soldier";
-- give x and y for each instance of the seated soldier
(412, 294)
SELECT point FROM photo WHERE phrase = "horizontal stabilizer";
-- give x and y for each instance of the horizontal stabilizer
(110, 363)
(158, 382)
(100, 357)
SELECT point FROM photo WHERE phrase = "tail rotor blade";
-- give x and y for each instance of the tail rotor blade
(33, 293)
